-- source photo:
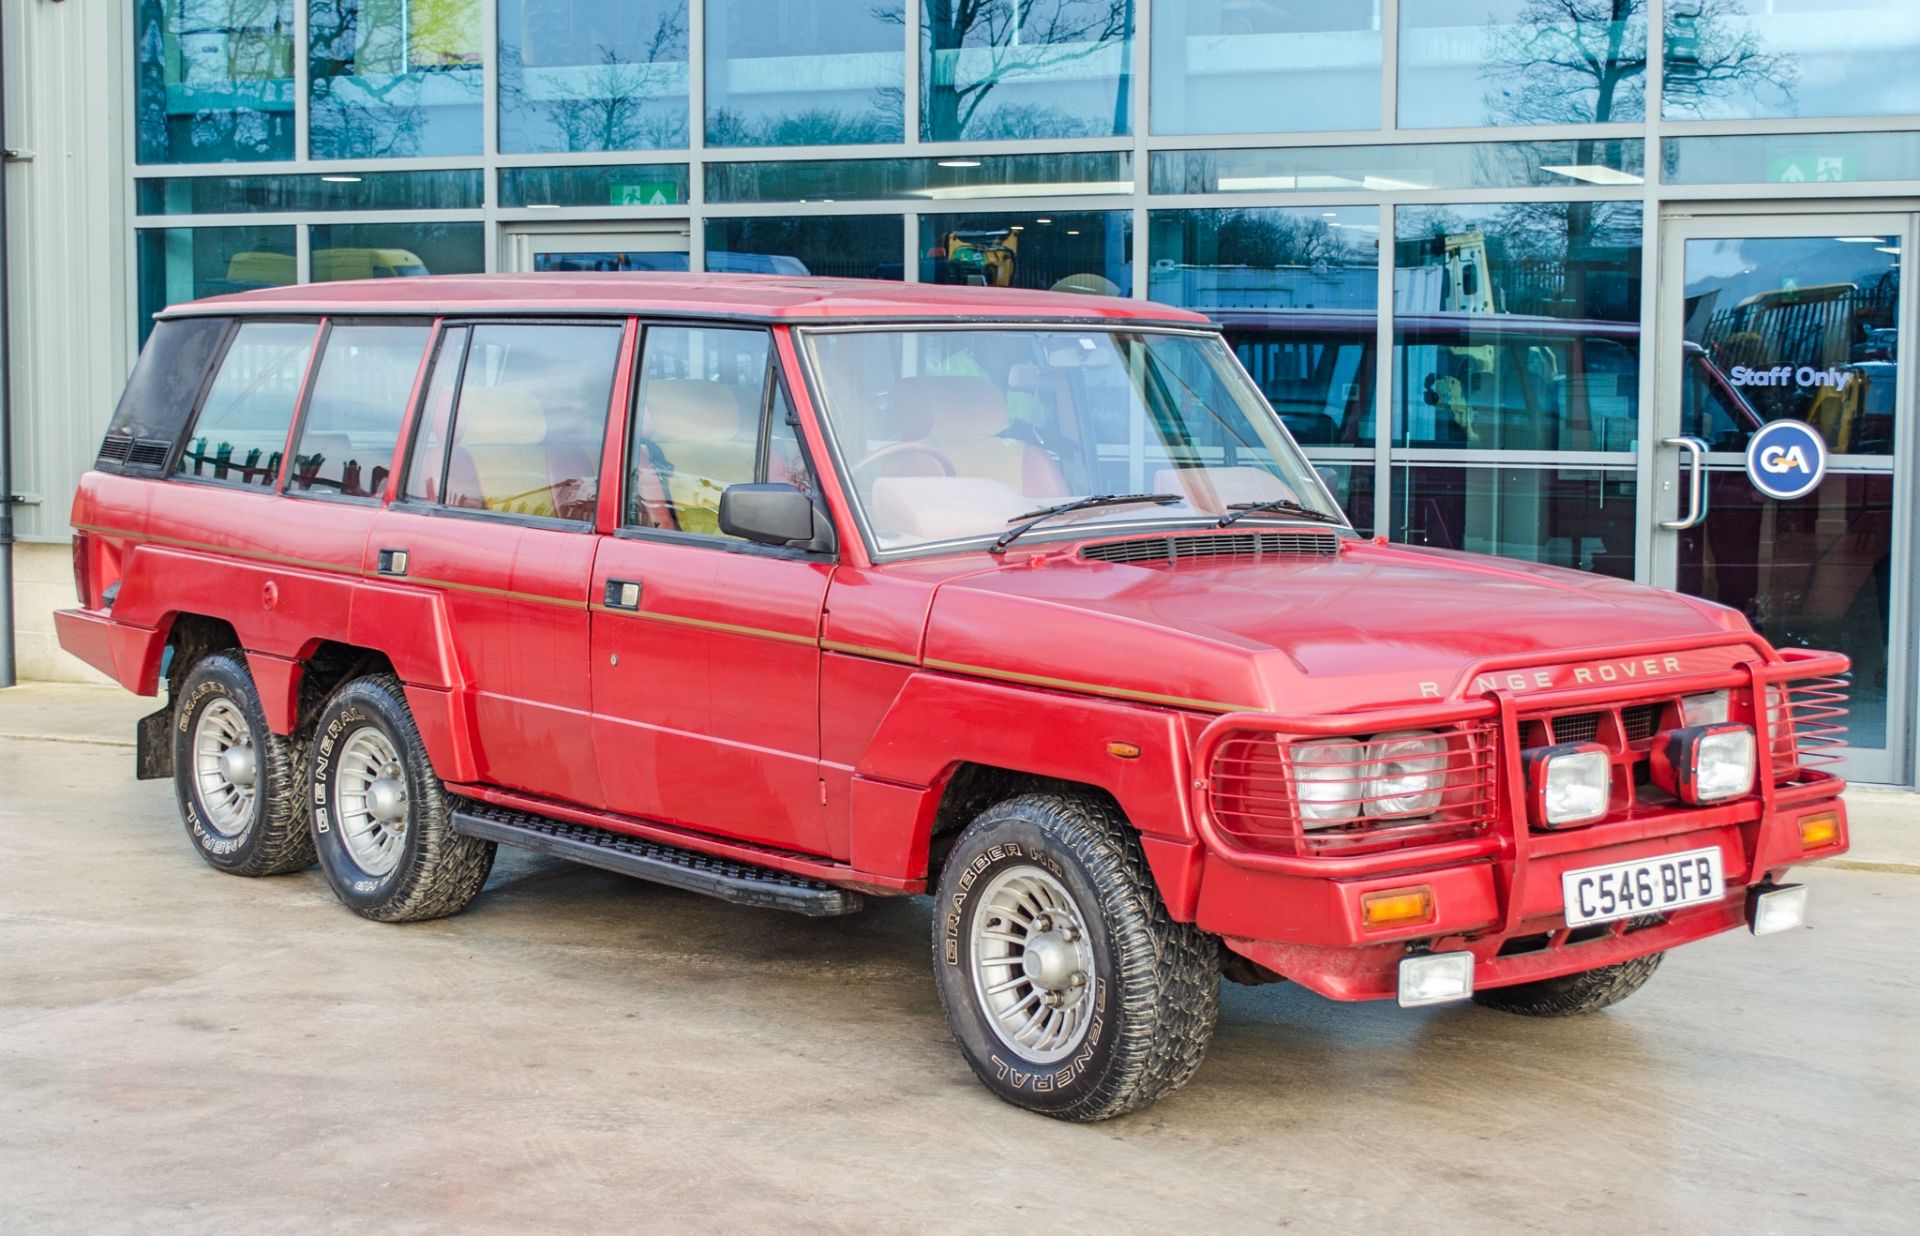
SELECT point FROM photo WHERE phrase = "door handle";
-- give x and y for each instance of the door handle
(1696, 451)
(392, 562)
(622, 594)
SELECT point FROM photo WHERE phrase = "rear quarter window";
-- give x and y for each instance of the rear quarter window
(154, 409)
(240, 431)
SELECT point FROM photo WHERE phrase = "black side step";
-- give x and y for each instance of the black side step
(742, 883)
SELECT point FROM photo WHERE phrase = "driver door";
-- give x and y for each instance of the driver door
(706, 654)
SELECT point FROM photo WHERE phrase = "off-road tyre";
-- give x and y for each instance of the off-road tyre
(437, 871)
(267, 836)
(1155, 986)
(1572, 994)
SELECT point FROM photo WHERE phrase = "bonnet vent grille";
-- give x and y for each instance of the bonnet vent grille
(1241, 546)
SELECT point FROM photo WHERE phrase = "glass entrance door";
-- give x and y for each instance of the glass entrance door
(655, 248)
(1801, 318)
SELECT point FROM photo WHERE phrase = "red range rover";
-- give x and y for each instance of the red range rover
(796, 591)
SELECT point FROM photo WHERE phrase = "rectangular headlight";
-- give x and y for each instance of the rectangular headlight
(1568, 783)
(1713, 708)
(1329, 781)
(1406, 773)
(1705, 763)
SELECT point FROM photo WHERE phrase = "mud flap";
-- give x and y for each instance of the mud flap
(153, 745)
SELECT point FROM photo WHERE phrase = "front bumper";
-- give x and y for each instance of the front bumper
(1497, 895)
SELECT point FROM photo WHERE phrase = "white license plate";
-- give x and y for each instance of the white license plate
(1644, 886)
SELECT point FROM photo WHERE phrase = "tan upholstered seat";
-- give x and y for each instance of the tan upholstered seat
(702, 434)
(500, 455)
(962, 416)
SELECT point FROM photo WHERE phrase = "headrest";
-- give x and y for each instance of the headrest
(691, 410)
(949, 406)
(500, 416)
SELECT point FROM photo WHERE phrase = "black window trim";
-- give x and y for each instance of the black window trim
(420, 506)
(235, 323)
(283, 484)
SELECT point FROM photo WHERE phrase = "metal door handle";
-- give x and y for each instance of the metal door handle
(623, 594)
(392, 562)
(1697, 470)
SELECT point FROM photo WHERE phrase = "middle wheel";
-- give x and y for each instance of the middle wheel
(382, 823)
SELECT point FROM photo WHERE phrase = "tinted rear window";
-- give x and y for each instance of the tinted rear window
(153, 410)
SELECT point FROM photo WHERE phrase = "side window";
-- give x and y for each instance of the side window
(429, 464)
(697, 421)
(153, 410)
(353, 416)
(242, 427)
(530, 419)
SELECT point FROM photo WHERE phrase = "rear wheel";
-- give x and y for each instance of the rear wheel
(1586, 992)
(382, 822)
(237, 781)
(1069, 989)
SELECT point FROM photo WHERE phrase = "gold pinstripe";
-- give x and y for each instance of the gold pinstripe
(860, 650)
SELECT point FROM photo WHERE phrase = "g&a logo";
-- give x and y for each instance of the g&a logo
(1786, 459)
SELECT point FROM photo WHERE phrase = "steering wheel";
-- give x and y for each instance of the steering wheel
(893, 449)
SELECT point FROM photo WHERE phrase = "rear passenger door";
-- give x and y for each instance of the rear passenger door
(706, 656)
(496, 514)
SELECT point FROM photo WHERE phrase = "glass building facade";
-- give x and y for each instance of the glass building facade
(1488, 258)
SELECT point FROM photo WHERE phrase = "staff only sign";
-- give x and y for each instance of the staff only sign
(1786, 459)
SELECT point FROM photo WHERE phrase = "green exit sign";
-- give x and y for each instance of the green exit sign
(646, 193)
(1810, 168)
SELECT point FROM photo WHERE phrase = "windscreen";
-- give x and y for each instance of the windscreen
(953, 435)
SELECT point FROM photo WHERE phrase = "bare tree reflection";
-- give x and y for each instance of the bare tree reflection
(1585, 61)
(1012, 39)
(629, 100)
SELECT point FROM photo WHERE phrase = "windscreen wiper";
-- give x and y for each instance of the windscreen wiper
(1035, 518)
(1243, 509)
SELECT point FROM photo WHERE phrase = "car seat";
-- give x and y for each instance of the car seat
(500, 455)
(964, 416)
(697, 430)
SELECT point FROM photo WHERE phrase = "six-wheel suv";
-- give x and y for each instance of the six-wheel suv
(796, 591)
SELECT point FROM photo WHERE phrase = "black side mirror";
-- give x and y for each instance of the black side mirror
(775, 514)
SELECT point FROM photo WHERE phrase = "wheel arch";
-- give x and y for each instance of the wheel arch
(923, 776)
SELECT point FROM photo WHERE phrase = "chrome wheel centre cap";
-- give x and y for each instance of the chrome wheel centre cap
(238, 767)
(1052, 961)
(387, 801)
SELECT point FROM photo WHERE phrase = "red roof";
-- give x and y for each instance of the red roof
(781, 297)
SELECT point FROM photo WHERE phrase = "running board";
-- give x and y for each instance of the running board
(741, 883)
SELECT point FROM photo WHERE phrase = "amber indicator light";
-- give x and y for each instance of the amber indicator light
(1397, 907)
(1819, 830)
(1123, 750)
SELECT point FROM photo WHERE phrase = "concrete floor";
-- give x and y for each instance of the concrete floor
(186, 1051)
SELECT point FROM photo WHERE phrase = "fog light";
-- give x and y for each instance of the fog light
(1770, 908)
(1569, 783)
(1397, 907)
(1435, 978)
(1705, 763)
(1819, 830)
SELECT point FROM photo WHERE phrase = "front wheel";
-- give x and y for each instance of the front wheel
(1572, 994)
(1069, 989)
(382, 822)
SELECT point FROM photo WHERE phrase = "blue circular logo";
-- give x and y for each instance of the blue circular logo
(1786, 459)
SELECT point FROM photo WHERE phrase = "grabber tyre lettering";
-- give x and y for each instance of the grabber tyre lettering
(1069, 989)
(1571, 994)
(238, 783)
(382, 822)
